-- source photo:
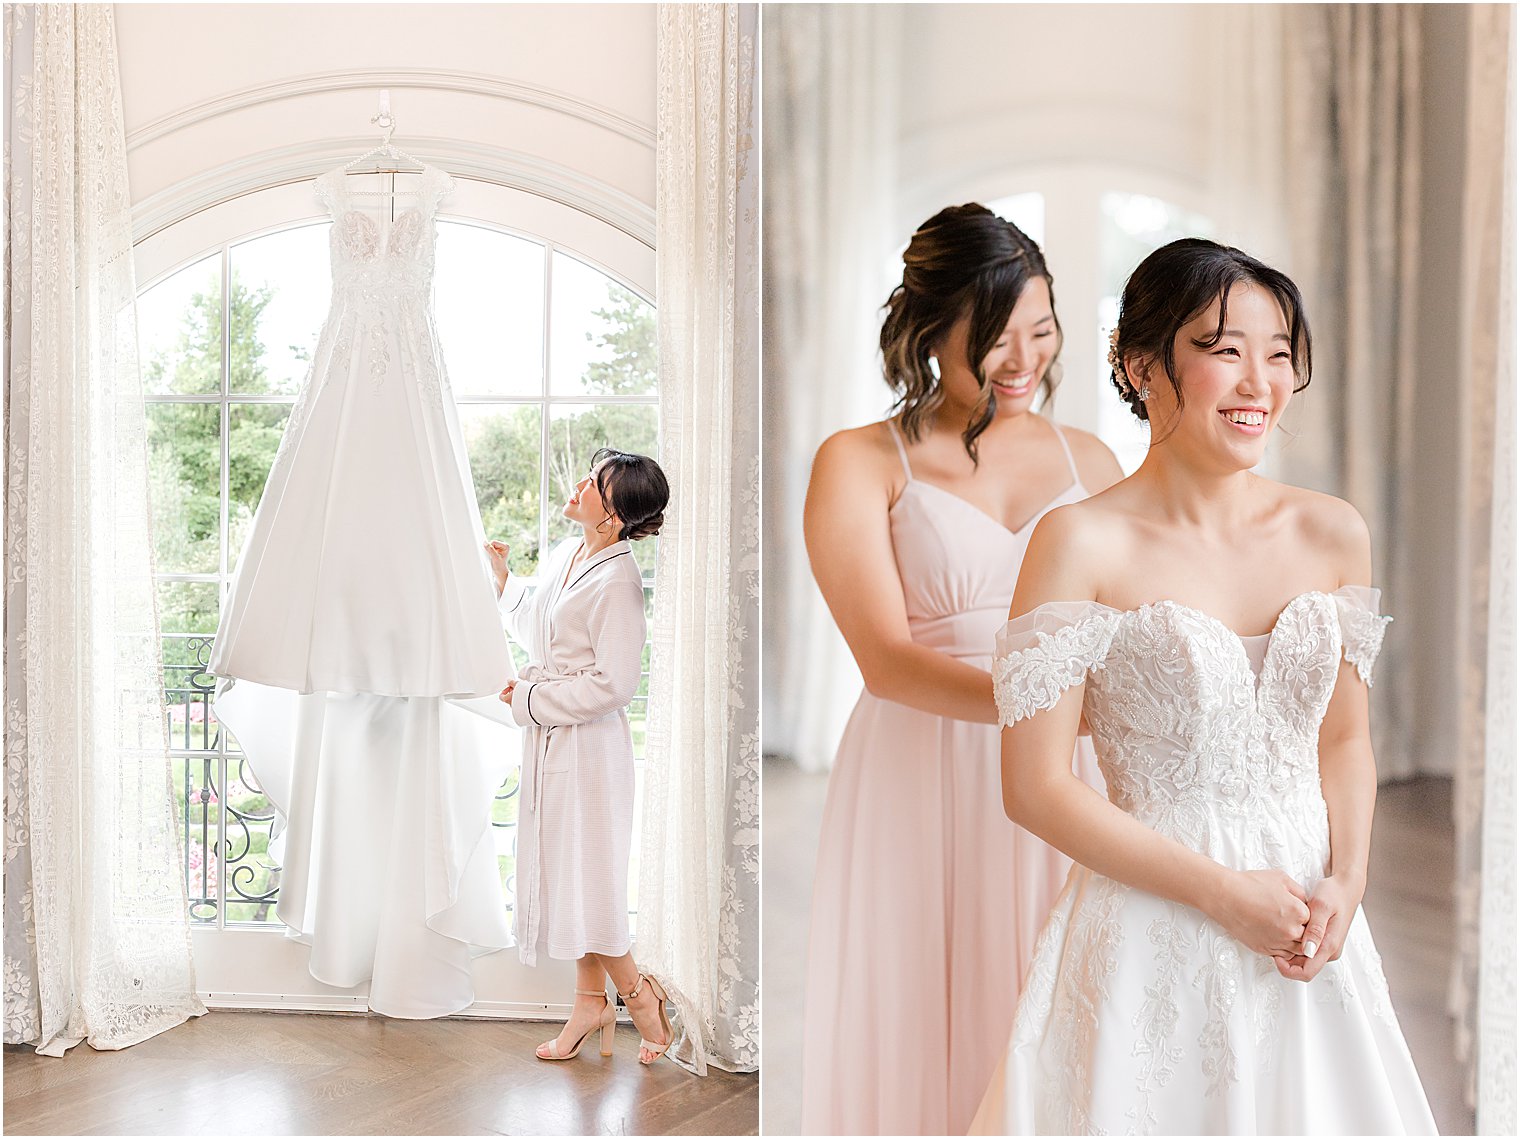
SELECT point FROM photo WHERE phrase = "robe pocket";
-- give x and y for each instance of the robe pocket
(559, 750)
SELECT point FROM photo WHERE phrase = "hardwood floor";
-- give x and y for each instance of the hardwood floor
(258, 1073)
(1408, 906)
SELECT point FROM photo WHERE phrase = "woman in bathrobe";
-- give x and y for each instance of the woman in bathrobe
(583, 630)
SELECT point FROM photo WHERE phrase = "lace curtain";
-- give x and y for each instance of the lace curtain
(830, 125)
(1483, 981)
(699, 919)
(97, 946)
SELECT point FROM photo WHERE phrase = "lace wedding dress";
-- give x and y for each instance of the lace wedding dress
(362, 601)
(1141, 1015)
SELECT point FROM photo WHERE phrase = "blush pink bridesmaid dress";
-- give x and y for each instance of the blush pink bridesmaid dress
(927, 900)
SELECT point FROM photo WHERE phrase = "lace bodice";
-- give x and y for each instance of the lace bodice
(369, 250)
(1190, 740)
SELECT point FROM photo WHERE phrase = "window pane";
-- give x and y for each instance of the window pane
(253, 437)
(179, 331)
(575, 433)
(1132, 227)
(504, 820)
(253, 877)
(195, 807)
(488, 291)
(601, 335)
(503, 445)
(185, 477)
(187, 615)
(281, 286)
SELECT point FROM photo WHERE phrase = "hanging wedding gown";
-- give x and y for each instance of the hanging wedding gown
(1141, 1015)
(361, 601)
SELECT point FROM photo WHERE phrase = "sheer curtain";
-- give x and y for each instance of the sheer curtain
(97, 946)
(699, 921)
(831, 78)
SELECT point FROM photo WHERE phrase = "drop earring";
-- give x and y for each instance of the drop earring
(934, 366)
(1145, 391)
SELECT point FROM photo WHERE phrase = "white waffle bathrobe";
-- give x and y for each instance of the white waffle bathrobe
(583, 630)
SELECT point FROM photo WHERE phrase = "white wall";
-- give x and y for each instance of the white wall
(223, 99)
(1168, 91)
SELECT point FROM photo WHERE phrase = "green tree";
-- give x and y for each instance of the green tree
(628, 330)
(504, 446)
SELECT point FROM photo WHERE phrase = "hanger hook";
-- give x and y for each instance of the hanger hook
(383, 117)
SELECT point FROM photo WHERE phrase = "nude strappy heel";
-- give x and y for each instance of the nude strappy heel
(607, 1024)
(665, 1025)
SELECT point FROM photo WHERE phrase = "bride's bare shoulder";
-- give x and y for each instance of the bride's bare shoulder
(1332, 525)
(1095, 532)
(1325, 526)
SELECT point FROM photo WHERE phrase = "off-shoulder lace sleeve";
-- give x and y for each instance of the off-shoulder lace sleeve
(1361, 627)
(1046, 651)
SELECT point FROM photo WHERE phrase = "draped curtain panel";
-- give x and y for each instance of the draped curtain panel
(1353, 124)
(830, 129)
(1483, 984)
(1421, 442)
(699, 920)
(97, 946)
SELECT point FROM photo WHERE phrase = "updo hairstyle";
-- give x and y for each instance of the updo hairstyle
(634, 488)
(1171, 287)
(965, 259)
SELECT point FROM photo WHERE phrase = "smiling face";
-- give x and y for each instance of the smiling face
(585, 504)
(1016, 363)
(1233, 391)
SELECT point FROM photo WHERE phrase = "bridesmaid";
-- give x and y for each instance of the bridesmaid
(924, 892)
(583, 629)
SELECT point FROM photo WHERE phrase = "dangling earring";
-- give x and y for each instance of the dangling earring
(934, 366)
(1145, 391)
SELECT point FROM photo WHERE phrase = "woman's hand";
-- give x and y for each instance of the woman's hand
(1265, 910)
(506, 693)
(497, 553)
(1331, 908)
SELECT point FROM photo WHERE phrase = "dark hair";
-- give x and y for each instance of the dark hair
(1176, 283)
(634, 488)
(963, 260)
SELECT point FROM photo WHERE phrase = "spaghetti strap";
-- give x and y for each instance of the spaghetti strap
(902, 452)
(1070, 462)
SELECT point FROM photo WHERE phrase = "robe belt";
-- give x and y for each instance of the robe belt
(531, 785)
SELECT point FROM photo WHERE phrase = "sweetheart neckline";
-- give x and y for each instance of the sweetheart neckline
(1238, 639)
(1074, 485)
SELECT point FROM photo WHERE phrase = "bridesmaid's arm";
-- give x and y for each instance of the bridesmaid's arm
(1347, 773)
(849, 543)
(1263, 909)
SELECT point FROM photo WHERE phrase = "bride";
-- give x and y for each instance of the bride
(1207, 969)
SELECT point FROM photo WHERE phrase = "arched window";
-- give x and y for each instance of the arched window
(550, 349)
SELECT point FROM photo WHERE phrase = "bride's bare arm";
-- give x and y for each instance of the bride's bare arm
(1264, 910)
(1348, 778)
(849, 543)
